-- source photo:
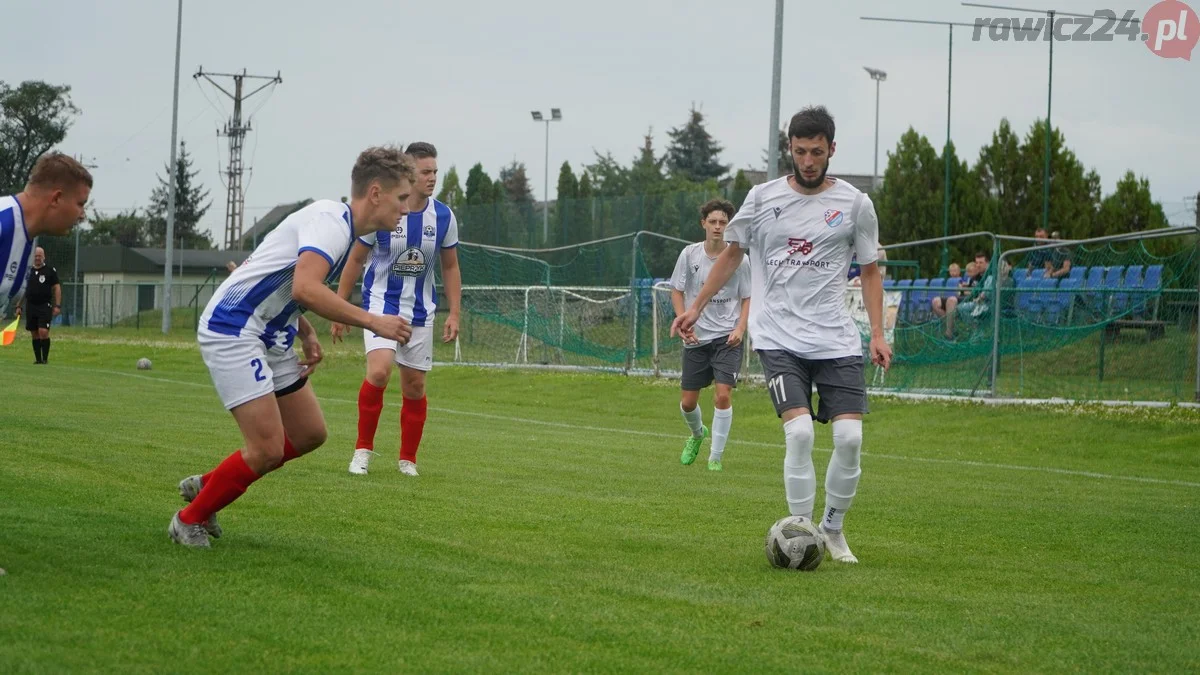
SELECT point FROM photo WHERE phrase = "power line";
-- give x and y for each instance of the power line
(235, 130)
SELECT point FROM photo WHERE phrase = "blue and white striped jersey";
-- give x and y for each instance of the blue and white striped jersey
(16, 250)
(399, 275)
(256, 300)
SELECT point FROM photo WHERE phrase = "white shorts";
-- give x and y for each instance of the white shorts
(242, 369)
(417, 354)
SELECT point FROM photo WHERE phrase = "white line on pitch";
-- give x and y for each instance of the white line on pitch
(656, 434)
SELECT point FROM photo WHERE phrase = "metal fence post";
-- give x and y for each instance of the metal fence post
(1198, 330)
(631, 354)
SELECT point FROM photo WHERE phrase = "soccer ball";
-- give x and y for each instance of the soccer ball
(794, 543)
(143, 364)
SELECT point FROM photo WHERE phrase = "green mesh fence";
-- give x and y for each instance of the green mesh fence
(1121, 325)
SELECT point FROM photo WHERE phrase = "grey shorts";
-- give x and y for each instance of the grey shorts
(790, 379)
(713, 361)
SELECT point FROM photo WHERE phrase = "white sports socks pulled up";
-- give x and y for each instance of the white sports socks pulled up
(721, 422)
(799, 476)
(694, 419)
(841, 479)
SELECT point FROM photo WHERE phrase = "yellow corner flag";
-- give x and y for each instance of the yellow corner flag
(9, 333)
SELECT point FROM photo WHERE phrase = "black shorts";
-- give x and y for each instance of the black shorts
(840, 383)
(38, 316)
(713, 361)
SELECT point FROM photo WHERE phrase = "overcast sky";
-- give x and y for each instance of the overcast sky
(465, 75)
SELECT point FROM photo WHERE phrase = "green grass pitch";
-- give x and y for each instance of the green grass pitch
(553, 529)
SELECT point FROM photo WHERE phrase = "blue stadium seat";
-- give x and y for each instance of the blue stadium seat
(1057, 305)
(1037, 274)
(935, 290)
(905, 298)
(1026, 298)
(889, 283)
(1042, 301)
(1019, 275)
(1132, 280)
(1152, 283)
(920, 301)
(1095, 276)
(1077, 273)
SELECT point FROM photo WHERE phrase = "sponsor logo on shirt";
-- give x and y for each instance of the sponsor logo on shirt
(801, 246)
(410, 263)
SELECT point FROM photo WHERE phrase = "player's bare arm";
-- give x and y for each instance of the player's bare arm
(309, 289)
(872, 290)
(310, 344)
(722, 271)
(739, 331)
(452, 277)
(677, 302)
(354, 264)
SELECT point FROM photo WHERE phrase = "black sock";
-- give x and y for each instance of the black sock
(37, 350)
(46, 350)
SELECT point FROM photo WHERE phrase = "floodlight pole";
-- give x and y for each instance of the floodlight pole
(168, 240)
(555, 116)
(878, 76)
(776, 76)
(947, 187)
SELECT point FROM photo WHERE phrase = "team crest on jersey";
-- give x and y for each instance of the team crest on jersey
(833, 217)
(410, 263)
(430, 231)
(41, 278)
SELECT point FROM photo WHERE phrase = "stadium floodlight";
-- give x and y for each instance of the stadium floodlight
(555, 116)
(879, 76)
(946, 150)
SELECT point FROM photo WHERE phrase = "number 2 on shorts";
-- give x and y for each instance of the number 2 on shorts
(257, 364)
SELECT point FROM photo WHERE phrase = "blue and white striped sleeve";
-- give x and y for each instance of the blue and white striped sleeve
(326, 235)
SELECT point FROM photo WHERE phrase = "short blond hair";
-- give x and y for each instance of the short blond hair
(57, 171)
(386, 165)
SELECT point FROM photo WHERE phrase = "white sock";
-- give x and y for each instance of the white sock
(841, 479)
(694, 419)
(799, 476)
(722, 420)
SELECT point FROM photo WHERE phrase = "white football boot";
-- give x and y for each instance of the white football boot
(408, 468)
(360, 462)
(835, 545)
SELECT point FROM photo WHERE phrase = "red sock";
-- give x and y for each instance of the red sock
(412, 425)
(228, 482)
(289, 453)
(370, 404)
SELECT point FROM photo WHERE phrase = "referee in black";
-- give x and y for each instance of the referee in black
(43, 302)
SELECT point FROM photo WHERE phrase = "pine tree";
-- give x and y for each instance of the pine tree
(451, 193)
(191, 203)
(564, 207)
(693, 154)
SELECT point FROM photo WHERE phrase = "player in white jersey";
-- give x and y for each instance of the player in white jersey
(247, 331)
(714, 349)
(51, 203)
(801, 232)
(399, 280)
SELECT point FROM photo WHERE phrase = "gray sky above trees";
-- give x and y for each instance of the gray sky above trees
(464, 75)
